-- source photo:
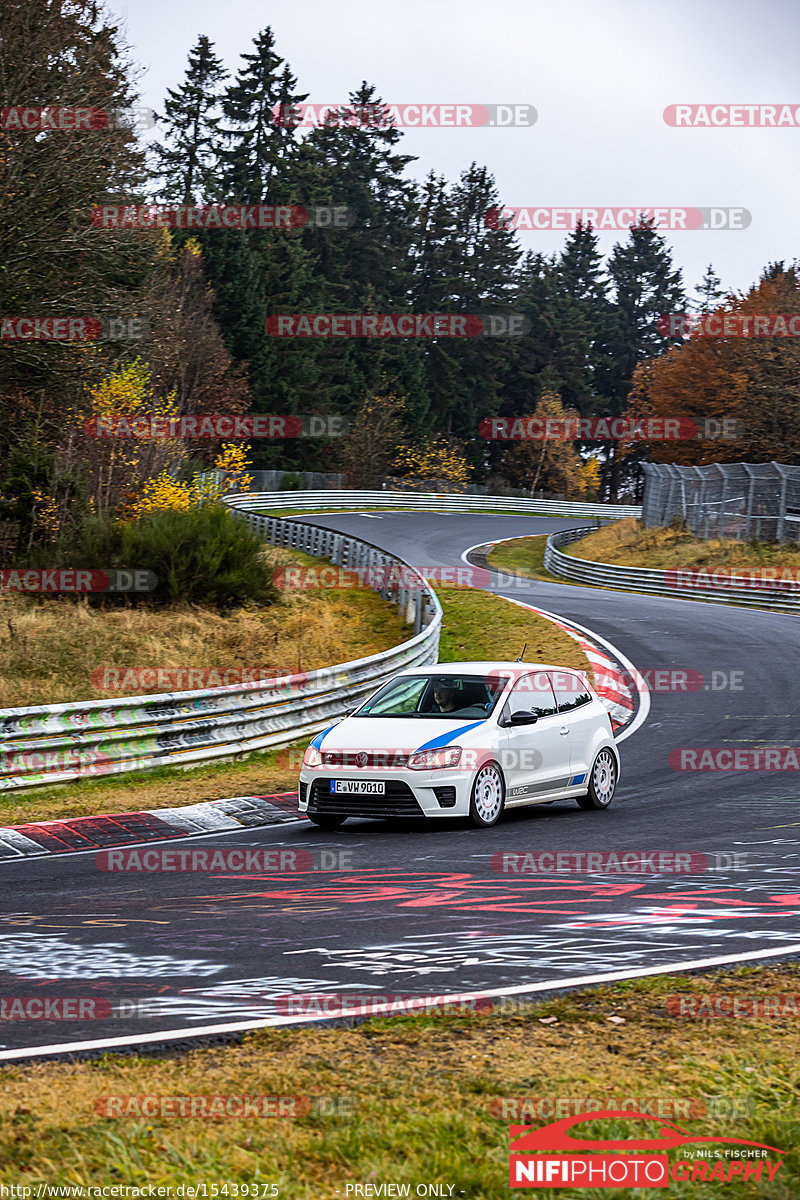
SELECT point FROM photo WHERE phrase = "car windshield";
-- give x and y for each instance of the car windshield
(430, 696)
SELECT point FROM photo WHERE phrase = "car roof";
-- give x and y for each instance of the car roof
(483, 668)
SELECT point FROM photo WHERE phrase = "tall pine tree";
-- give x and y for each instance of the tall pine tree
(186, 162)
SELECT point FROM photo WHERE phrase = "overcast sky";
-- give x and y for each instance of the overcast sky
(599, 73)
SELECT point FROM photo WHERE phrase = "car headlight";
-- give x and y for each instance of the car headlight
(431, 760)
(312, 757)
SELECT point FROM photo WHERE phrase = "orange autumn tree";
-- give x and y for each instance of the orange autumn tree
(551, 464)
(753, 380)
(439, 459)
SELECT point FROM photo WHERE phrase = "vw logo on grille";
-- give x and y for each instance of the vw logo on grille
(362, 760)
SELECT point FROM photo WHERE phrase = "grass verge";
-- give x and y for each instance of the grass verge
(628, 543)
(419, 1099)
(480, 626)
(522, 556)
(59, 649)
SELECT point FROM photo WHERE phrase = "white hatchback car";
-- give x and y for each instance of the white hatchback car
(463, 739)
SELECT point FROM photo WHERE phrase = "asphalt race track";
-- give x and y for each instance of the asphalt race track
(419, 909)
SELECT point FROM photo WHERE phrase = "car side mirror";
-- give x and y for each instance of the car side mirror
(522, 718)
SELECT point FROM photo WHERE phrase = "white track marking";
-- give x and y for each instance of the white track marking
(641, 686)
(189, 1032)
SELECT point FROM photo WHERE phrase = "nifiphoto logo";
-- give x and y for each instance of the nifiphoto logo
(565, 1154)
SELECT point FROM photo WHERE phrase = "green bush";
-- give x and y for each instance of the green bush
(202, 556)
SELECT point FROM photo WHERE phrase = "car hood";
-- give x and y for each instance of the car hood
(407, 735)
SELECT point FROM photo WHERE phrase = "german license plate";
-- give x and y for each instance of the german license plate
(359, 787)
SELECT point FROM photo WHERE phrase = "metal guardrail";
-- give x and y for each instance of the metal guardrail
(783, 597)
(55, 743)
(428, 501)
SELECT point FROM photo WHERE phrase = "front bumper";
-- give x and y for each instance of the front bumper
(440, 793)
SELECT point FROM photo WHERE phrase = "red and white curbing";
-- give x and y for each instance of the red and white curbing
(609, 676)
(76, 834)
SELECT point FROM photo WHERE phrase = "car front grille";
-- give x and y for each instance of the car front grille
(364, 758)
(398, 801)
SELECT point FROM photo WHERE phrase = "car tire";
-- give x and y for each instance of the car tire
(602, 782)
(488, 796)
(326, 820)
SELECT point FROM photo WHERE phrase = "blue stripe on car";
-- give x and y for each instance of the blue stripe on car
(444, 738)
(318, 739)
(577, 779)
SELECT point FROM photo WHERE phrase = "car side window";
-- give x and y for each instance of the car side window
(570, 690)
(531, 693)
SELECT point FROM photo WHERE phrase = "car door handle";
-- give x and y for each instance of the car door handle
(563, 731)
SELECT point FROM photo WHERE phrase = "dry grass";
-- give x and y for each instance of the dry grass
(423, 1095)
(522, 556)
(480, 626)
(50, 648)
(628, 544)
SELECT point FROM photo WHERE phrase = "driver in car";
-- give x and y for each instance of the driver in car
(444, 697)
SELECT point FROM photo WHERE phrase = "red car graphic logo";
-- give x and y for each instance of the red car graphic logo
(556, 1136)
